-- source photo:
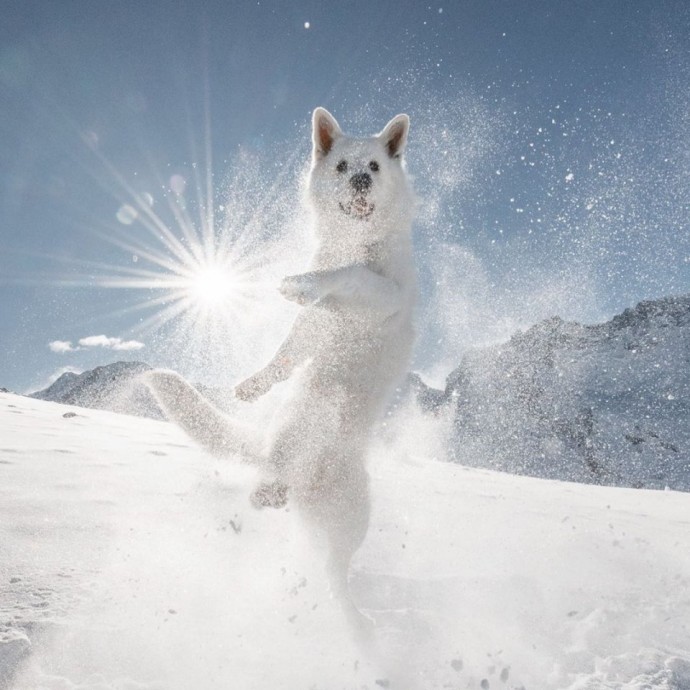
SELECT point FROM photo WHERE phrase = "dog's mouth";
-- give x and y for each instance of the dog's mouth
(359, 207)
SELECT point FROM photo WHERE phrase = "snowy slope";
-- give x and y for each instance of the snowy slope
(129, 559)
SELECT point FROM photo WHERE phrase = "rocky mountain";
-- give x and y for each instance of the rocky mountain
(111, 387)
(606, 404)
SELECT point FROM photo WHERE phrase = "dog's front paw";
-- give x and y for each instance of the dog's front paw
(303, 289)
(252, 388)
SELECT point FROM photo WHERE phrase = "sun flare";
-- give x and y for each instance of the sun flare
(212, 285)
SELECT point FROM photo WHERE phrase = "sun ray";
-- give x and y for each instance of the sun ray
(147, 216)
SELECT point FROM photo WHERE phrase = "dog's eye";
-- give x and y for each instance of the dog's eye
(373, 166)
(341, 167)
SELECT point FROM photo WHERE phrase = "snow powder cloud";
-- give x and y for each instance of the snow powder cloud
(91, 341)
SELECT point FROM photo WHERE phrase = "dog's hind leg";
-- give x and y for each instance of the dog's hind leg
(343, 518)
(215, 431)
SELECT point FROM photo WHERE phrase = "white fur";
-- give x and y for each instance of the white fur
(354, 336)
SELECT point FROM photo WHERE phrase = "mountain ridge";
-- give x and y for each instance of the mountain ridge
(607, 403)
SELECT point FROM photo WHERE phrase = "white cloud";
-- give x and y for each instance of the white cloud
(61, 346)
(110, 343)
(91, 341)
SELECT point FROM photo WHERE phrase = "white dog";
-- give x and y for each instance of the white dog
(353, 337)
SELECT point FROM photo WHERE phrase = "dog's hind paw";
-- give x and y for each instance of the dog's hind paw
(270, 495)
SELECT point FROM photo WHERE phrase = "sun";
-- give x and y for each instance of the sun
(212, 285)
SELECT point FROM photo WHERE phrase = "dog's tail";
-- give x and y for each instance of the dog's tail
(204, 423)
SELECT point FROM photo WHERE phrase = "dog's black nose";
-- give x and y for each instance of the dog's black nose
(361, 182)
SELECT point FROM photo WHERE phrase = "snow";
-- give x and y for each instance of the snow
(130, 559)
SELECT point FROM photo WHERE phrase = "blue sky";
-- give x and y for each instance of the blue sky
(549, 146)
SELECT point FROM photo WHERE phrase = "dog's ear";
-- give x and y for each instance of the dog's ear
(394, 135)
(325, 130)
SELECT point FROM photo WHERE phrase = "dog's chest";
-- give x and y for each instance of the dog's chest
(346, 332)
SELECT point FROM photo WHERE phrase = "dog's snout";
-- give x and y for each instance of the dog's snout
(361, 182)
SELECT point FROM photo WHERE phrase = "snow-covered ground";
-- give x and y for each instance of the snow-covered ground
(130, 559)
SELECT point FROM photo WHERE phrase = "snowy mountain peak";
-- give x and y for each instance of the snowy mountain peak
(606, 403)
(661, 313)
(60, 387)
(108, 387)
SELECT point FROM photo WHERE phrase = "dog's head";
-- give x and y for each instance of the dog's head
(357, 180)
